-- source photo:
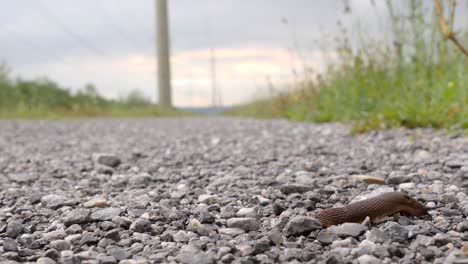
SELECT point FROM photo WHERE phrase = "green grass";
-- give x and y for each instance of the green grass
(37, 99)
(375, 86)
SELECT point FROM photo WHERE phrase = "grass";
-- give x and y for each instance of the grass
(422, 82)
(42, 98)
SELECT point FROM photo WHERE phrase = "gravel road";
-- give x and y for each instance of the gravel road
(220, 190)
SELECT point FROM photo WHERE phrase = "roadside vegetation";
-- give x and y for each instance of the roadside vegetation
(43, 98)
(413, 76)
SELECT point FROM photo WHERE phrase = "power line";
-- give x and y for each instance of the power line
(114, 25)
(45, 12)
(33, 46)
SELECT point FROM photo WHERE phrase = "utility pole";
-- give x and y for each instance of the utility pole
(214, 93)
(163, 54)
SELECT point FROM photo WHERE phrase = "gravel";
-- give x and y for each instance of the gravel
(221, 190)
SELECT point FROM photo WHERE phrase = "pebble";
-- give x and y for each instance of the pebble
(348, 230)
(77, 216)
(106, 159)
(207, 199)
(247, 224)
(96, 202)
(60, 245)
(105, 214)
(326, 237)
(301, 225)
(231, 231)
(368, 259)
(45, 260)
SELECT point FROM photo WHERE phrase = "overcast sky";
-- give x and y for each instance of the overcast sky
(110, 43)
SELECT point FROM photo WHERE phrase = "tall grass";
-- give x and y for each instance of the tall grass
(414, 79)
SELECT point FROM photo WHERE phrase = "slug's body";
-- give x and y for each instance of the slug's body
(376, 207)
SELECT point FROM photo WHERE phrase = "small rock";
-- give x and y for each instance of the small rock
(10, 245)
(118, 253)
(463, 226)
(45, 260)
(74, 229)
(54, 201)
(441, 240)
(275, 236)
(113, 234)
(326, 237)
(207, 199)
(397, 177)
(366, 247)
(368, 259)
(231, 231)
(106, 259)
(194, 225)
(105, 214)
(246, 212)
(73, 238)
(369, 179)
(396, 232)
(295, 188)
(206, 217)
(180, 236)
(348, 230)
(14, 228)
(60, 245)
(96, 202)
(77, 216)
(407, 185)
(23, 177)
(301, 225)
(377, 236)
(245, 250)
(106, 159)
(141, 225)
(261, 246)
(195, 258)
(247, 224)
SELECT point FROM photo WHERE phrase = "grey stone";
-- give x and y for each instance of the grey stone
(396, 232)
(141, 225)
(261, 246)
(119, 253)
(231, 231)
(105, 214)
(247, 224)
(106, 159)
(376, 235)
(195, 258)
(113, 234)
(326, 237)
(348, 230)
(45, 260)
(275, 236)
(14, 228)
(301, 225)
(60, 245)
(106, 259)
(23, 177)
(10, 245)
(55, 201)
(368, 259)
(295, 188)
(180, 236)
(77, 216)
(397, 178)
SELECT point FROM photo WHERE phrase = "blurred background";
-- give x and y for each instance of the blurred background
(377, 64)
